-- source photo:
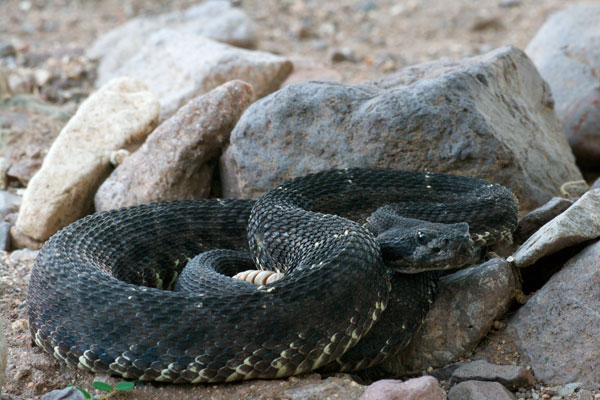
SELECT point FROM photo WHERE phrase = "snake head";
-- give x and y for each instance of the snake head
(410, 245)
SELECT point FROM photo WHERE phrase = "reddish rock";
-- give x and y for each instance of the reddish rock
(423, 388)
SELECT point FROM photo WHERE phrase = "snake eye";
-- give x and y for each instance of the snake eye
(421, 236)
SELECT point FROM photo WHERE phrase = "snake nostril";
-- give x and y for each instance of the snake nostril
(436, 250)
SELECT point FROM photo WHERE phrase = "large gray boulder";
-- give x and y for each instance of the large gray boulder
(566, 51)
(489, 116)
(556, 331)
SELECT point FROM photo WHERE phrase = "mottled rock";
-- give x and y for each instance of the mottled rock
(477, 390)
(578, 223)
(535, 219)
(488, 116)
(466, 306)
(423, 388)
(178, 66)
(69, 393)
(2, 353)
(175, 161)
(556, 331)
(566, 51)
(510, 376)
(119, 114)
(216, 20)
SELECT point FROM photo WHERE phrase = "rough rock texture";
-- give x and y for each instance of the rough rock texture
(534, 220)
(2, 354)
(477, 390)
(489, 116)
(337, 387)
(178, 66)
(173, 163)
(466, 306)
(578, 223)
(566, 51)
(511, 376)
(216, 20)
(556, 331)
(423, 388)
(120, 113)
(69, 393)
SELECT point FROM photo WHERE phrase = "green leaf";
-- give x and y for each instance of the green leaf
(105, 387)
(85, 393)
(123, 386)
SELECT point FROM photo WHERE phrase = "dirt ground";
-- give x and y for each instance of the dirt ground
(376, 37)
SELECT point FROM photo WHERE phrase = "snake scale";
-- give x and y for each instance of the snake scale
(97, 297)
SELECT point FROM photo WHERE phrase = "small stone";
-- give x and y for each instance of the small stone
(117, 157)
(7, 49)
(423, 388)
(510, 376)
(9, 202)
(477, 390)
(69, 393)
(42, 76)
(343, 54)
(20, 325)
(22, 256)
(509, 3)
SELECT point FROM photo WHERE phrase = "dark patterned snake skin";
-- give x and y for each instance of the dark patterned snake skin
(97, 297)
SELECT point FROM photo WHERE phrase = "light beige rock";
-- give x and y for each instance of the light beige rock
(578, 223)
(175, 162)
(178, 66)
(120, 114)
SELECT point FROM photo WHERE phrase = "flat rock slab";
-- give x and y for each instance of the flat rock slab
(178, 66)
(556, 331)
(534, 220)
(566, 51)
(423, 388)
(62, 191)
(512, 377)
(466, 306)
(477, 390)
(489, 116)
(173, 163)
(217, 20)
(578, 223)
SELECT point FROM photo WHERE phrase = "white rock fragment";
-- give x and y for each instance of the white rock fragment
(578, 223)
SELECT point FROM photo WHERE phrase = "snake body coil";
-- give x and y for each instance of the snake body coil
(96, 300)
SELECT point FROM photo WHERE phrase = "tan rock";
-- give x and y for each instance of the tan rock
(174, 163)
(119, 114)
